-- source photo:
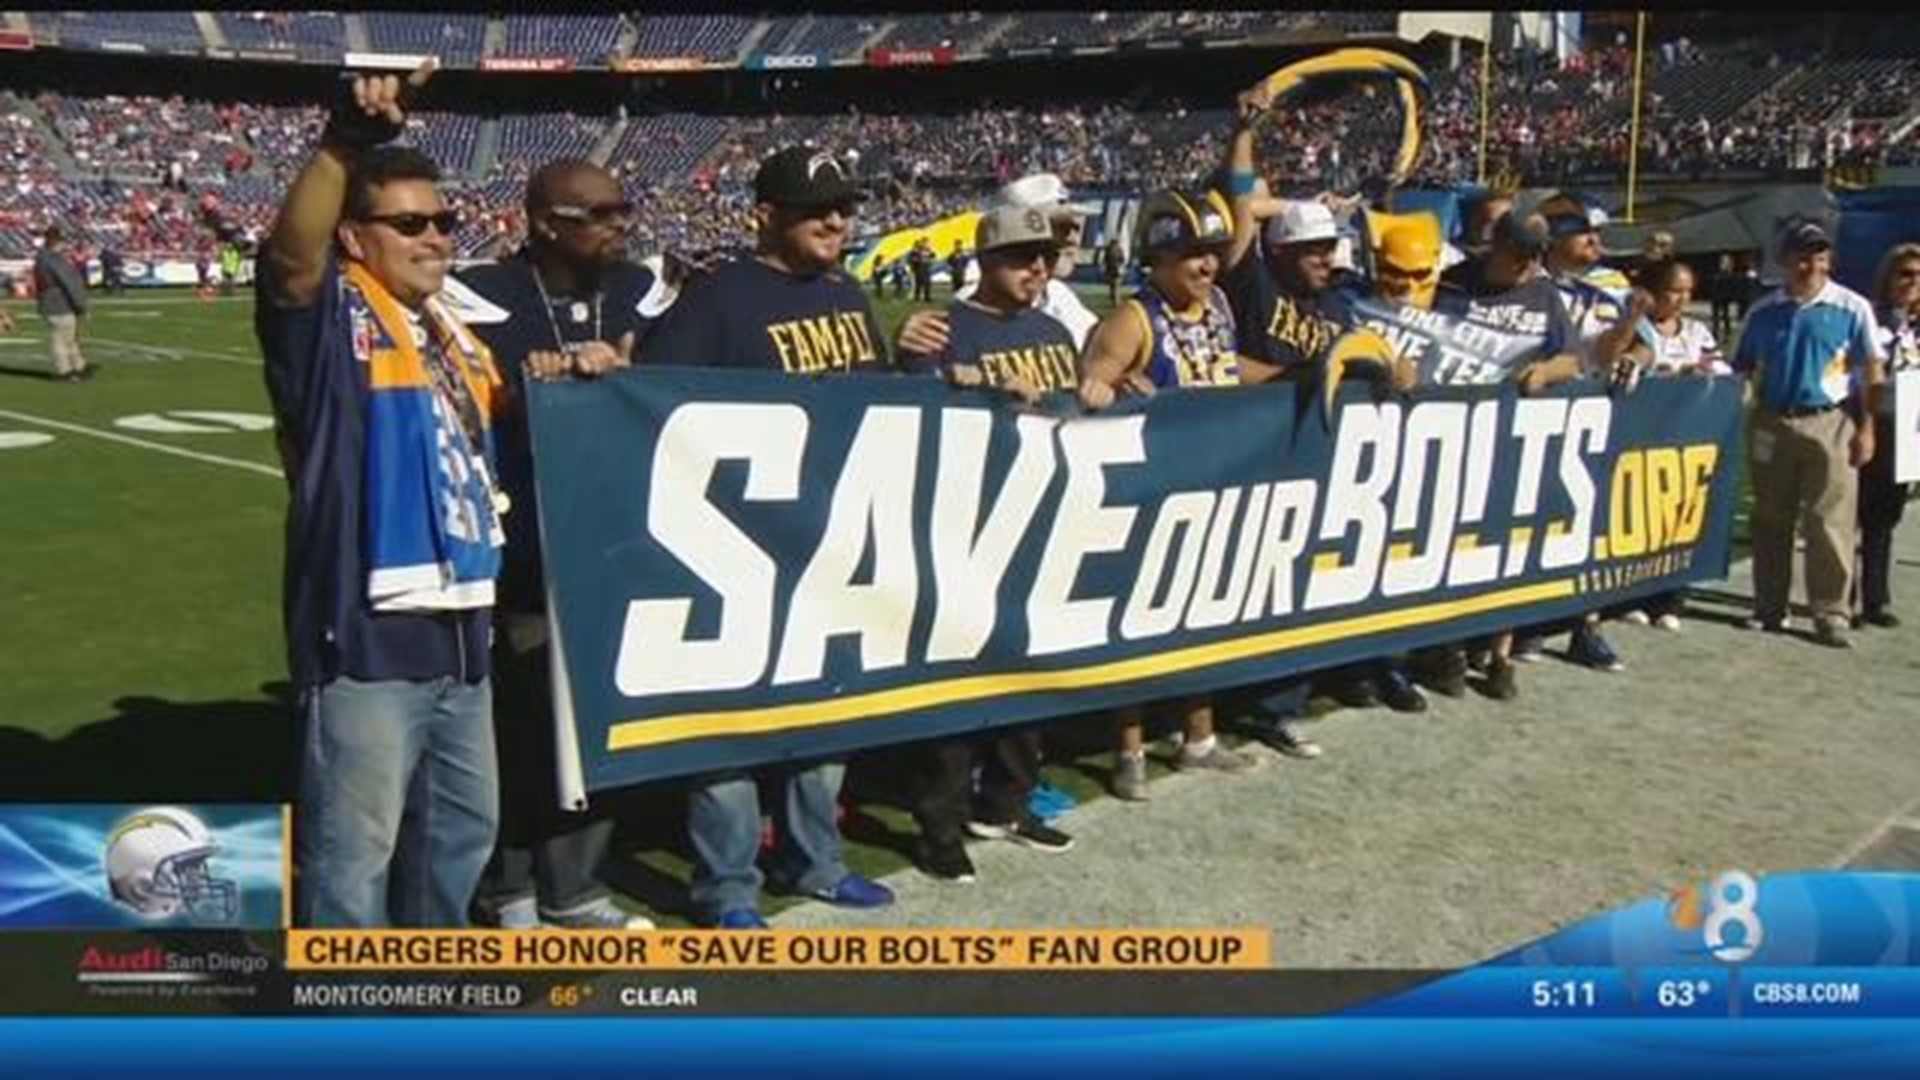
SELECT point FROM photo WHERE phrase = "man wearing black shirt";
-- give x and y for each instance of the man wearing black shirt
(569, 302)
(788, 307)
(920, 262)
(996, 338)
(1507, 289)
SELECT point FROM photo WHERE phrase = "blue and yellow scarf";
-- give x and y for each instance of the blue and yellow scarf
(430, 525)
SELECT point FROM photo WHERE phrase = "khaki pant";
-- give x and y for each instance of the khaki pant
(63, 341)
(1801, 477)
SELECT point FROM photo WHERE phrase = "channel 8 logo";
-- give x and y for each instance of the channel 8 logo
(1730, 925)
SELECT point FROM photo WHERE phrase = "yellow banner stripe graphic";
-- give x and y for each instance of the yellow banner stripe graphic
(766, 720)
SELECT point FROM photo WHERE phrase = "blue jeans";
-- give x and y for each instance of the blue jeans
(723, 823)
(399, 801)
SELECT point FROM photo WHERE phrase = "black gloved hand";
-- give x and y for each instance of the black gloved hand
(369, 110)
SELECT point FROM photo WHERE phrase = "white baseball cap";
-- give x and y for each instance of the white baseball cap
(1302, 221)
(1044, 191)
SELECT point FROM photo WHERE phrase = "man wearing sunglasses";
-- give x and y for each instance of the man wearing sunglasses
(383, 400)
(925, 332)
(1000, 339)
(787, 307)
(569, 304)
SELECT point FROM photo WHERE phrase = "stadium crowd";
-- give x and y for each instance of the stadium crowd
(1240, 286)
(1706, 114)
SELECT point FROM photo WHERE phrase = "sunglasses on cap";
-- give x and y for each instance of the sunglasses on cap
(611, 213)
(411, 225)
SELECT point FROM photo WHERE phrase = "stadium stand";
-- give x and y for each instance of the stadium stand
(960, 31)
(153, 30)
(143, 136)
(1082, 28)
(665, 146)
(312, 35)
(585, 38)
(526, 141)
(832, 36)
(1734, 109)
(716, 38)
(455, 39)
(448, 138)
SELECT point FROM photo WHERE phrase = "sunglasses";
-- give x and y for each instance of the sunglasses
(411, 225)
(1025, 254)
(612, 213)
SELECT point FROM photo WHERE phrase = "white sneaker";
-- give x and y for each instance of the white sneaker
(1668, 621)
(1636, 617)
(601, 914)
(1217, 758)
(518, 915)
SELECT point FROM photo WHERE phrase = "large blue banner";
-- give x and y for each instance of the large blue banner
(750, 567)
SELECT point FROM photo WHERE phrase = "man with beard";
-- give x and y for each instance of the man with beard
(1279, 281)
(787, 307)
(1505, 289)
(924, 332)
(569, 303)
(999, 339)
(1596, 302)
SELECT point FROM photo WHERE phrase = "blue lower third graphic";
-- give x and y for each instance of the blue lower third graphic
(932, 1049)
(94, 866)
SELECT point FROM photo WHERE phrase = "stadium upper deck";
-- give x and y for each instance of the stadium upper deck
(156, 175)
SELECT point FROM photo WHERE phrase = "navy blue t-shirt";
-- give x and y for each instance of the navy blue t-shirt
(747, 314)
(1029, 344)
(319, 389)
(501, 302)
(1276, 327)
(1533, 308)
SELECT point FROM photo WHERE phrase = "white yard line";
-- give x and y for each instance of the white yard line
(143, 444)
(176, 351)
(1905, 816)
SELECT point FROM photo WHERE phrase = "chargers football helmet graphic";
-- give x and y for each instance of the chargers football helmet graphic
(158, 864)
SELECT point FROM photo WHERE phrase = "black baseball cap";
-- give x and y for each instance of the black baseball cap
(804, 176)
(1804, 237)
(1525, 235)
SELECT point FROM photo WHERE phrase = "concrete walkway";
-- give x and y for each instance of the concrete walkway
(1439, 840)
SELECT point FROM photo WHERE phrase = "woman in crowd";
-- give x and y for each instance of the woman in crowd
(1896, 298)
(1666, 342)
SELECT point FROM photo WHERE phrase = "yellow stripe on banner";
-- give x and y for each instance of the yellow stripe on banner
(1326, 562)
(1464, 544)
(1522, 536)
(1600, 548)
(1556, 529)
(1400, 552)
(633, 734)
